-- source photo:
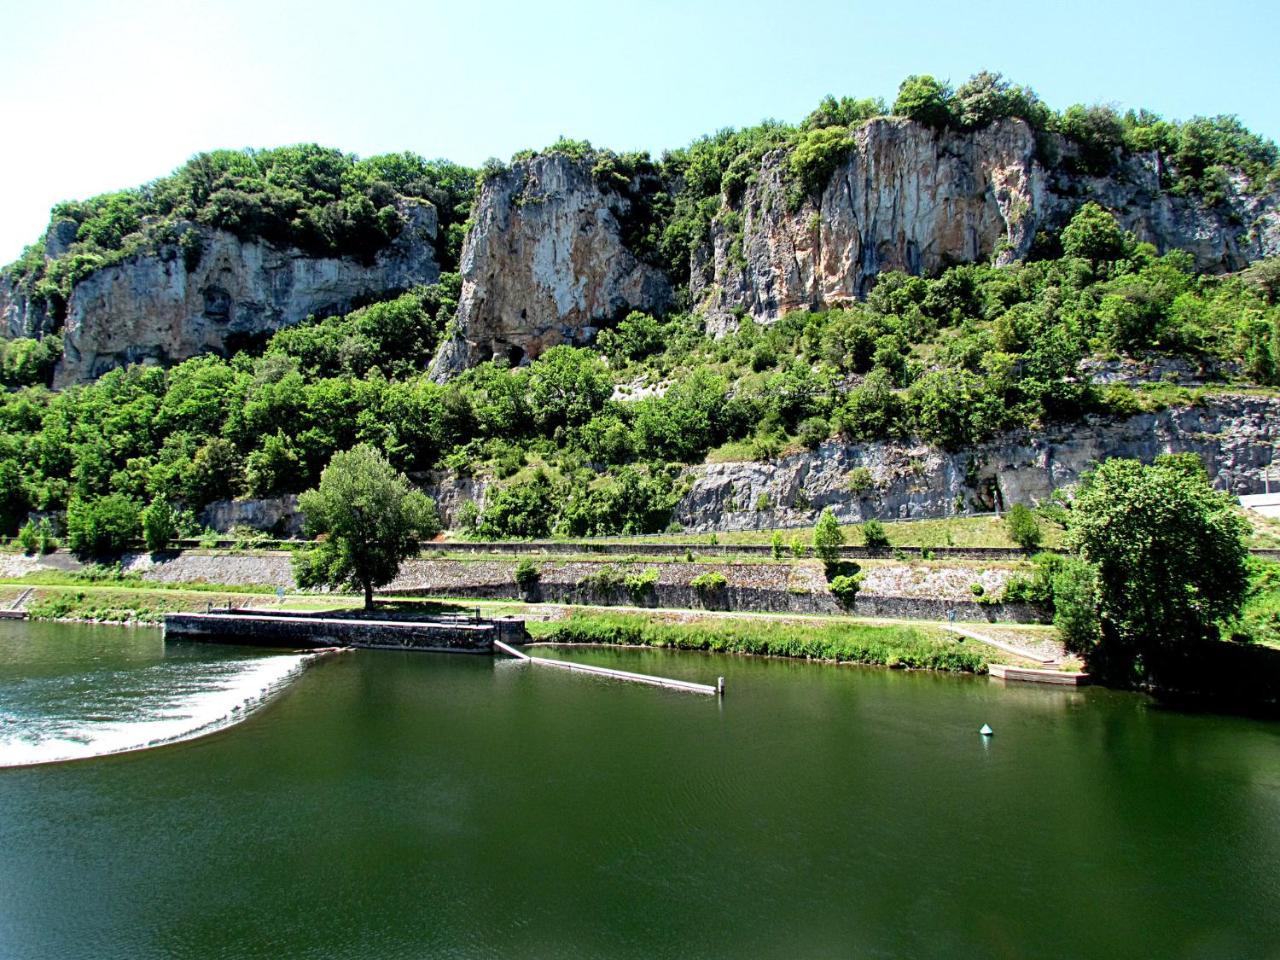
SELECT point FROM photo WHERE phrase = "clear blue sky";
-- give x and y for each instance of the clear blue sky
(98, 96)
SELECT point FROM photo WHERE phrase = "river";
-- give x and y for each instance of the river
(396, 805)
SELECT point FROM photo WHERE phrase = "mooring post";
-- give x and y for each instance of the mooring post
(720, 686)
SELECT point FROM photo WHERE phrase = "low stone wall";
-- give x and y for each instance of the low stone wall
(641, 549)
(898, 590)
(764, 588)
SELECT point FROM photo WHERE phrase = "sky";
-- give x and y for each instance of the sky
(98, 95)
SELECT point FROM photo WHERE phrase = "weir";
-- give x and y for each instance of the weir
(457, 635)
(284, 629)
(685, 685)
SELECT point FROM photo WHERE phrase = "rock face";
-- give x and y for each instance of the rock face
(544, 264)
(20, 316)
(276, 515)
(153, 307)
(913, 199)
(1236, 437)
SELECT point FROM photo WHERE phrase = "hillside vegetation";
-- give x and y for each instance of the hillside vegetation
(591, 440)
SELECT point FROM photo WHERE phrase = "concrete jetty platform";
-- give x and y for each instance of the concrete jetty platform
(282, 629)
(1062, 678)
(685, 685)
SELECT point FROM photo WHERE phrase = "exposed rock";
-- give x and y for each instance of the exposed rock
(450, 490)
(1236, 436)
(913, 199)
(544, 264)
(21, 316)
(277, 515)
(1182, 371)
(152, 307)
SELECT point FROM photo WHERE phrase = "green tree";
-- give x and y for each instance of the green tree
(1094, 235)
(102, 528)
(567, 386)
(828, 538)
(776, 546)
(1170, 555)
(1075, 603)
(925, 100)
(370, 519)
(158, 525)
(1023, 528)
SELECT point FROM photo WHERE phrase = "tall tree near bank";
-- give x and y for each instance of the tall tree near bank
(368, 519)
(828, 538)
(1170, 554)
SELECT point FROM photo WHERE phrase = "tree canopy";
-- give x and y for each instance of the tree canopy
(368, 519)
(1170, 555)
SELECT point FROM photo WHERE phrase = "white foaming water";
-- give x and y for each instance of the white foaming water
(99, 714)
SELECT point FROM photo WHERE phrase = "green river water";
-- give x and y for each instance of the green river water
(388, 805)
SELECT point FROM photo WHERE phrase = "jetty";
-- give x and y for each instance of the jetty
(685, 685)
(1062, 678)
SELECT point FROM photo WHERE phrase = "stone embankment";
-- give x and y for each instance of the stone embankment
(904, 589)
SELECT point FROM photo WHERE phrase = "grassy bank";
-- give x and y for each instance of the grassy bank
(895, 646)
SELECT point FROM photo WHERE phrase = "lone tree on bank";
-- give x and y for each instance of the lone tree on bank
(369, 519)
(1170, 556)
(828, 538)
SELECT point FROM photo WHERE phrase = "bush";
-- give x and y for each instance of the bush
(874, 536)
(157, 525)
(640, 586)
(1075, 605)
(29, 537)
(776, 547)
(102, 528)
(527, 576)
(1023, 528)
(860, 480)
(710, 586)
(844, 587)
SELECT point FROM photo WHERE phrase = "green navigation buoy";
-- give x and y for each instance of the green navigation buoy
(986, 731)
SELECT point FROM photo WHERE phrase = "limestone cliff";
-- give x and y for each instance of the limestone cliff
(160, 306)
(914, 199)
(1234, 435)
(544, 263)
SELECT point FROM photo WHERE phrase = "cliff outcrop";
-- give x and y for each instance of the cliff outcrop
(545, 263)
(184, 298)
(1235, 435)
(914, 199)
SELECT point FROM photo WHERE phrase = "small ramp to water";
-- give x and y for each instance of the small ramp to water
(686, 685)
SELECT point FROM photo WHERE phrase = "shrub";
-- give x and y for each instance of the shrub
(776, 546)
(1023, 528)
(1075, 605)
(874, 535)
(844, 587)
(710, 586)
(527, 576)
(860, 480)
(157, 525)
(101, 528)
(977, 589)
(640, 585)
(29, 537)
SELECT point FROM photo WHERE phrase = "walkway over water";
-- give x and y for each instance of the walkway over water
(615, 674)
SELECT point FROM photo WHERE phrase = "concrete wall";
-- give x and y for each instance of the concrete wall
(317, 631)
